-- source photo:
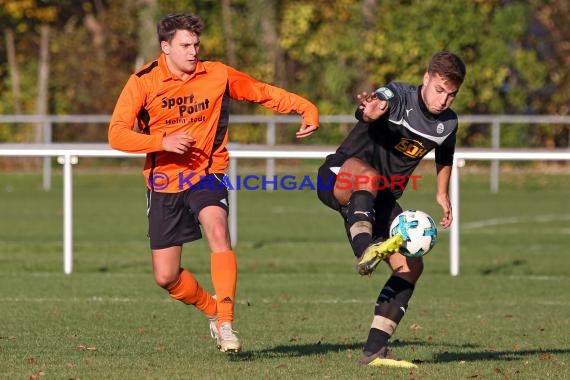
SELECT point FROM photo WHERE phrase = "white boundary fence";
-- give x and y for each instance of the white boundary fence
(68, 154)
(271, 121)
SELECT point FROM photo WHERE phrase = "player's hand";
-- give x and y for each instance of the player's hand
(306, 130)
(362, 96)
(372, 107)
(179, 142)
(443, 201)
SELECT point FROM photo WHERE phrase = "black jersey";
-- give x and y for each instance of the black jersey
(396, 143)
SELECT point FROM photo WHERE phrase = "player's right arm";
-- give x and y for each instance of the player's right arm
(246, 88)
(121, 134)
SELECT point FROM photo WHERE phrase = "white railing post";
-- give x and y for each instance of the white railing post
(270, 162)
(495, 144)
(233, 199)
(47, 137)
(454, 229)
(67, 161)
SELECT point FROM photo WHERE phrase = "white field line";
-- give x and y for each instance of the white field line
(515, 220)
(247, 302)
(118, 300)
(126, 300)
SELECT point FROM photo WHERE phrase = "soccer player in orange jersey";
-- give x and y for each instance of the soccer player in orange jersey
(180, 105)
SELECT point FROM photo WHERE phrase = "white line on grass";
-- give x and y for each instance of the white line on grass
(89, 299)
(146, 300)
(539, 278)
(293, 301)
(515, 220)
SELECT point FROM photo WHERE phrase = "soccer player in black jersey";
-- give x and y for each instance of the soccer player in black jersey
(398, 124)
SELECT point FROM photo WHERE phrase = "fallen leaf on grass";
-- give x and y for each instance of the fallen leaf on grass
(415, 326)
(500, 372)
(544, 357)
(86, 348)
(37, 375)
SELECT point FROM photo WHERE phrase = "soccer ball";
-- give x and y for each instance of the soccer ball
(418, 230)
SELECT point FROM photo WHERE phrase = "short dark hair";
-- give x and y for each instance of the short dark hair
(449, 66)
(169, 24)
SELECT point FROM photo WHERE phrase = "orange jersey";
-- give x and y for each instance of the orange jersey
(163, 104)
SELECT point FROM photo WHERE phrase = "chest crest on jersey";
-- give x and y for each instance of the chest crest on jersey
(411, 148)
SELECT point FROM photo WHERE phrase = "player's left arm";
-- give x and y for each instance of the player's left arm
(245, 88)
(442, 194)
(444, 161)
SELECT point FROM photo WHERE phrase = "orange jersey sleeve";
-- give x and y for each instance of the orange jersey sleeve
(121, 132)
(243, 87)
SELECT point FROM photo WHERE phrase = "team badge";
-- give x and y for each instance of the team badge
(439, 129)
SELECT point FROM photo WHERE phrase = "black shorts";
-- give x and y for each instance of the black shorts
(385, 205)
(327, 177)
(173, 217)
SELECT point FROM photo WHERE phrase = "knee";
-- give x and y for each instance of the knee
(414, 270)
(218, 233)
(416, 267)
(408, 268)
(366, 180)
(165, 280)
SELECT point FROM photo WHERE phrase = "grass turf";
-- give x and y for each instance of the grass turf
(302, 310)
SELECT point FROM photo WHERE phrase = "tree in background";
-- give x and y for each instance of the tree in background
(19, 17)
(327, 51)
(549, 36)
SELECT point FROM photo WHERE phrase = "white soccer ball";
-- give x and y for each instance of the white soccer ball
(418, 230)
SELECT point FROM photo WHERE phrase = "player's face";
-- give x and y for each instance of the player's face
(438, 93)
(182, 52)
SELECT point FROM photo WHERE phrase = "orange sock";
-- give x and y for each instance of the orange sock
(224, 277)
(188, 291)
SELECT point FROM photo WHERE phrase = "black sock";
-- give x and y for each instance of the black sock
(391, 305)
(360, 220)
(396, 292)
(360, 242)
(376, 340)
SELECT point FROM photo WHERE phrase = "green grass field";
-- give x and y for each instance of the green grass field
(303, 311)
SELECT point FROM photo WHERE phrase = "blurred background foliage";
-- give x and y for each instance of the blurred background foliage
(517, 54)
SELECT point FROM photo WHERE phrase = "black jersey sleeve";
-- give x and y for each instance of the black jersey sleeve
(358, 114)
(444, 153)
